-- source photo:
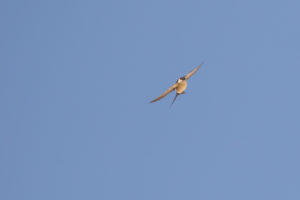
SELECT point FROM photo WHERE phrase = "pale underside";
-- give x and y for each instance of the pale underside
(179, 86)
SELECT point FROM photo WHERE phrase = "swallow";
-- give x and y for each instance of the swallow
(179, 86)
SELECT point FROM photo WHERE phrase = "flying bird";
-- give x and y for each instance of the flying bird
(179, 86)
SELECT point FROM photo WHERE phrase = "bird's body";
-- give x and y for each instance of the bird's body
(180, 85)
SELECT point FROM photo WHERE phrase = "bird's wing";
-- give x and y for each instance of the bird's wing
(173, 87)
(193, 72)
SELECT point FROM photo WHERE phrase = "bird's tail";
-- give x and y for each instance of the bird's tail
(174, 98)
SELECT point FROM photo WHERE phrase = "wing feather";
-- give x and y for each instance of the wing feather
(173, 87)
(193, 72)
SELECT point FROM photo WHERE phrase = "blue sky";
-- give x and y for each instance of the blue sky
(76, 79)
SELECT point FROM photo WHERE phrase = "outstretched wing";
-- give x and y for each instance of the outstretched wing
(193, 72)
(165, 93)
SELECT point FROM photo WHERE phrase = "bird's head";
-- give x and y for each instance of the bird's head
(181, 79)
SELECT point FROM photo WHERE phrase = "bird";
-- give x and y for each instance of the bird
(179, 86)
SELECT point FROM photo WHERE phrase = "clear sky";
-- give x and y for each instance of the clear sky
(76, 78)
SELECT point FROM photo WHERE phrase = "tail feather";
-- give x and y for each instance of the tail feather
(174, 98)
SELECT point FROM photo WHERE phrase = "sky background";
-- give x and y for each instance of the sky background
(76, 78)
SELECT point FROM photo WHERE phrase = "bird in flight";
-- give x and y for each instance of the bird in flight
(179, 86)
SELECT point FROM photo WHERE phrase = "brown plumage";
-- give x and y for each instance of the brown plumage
(179, 86)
